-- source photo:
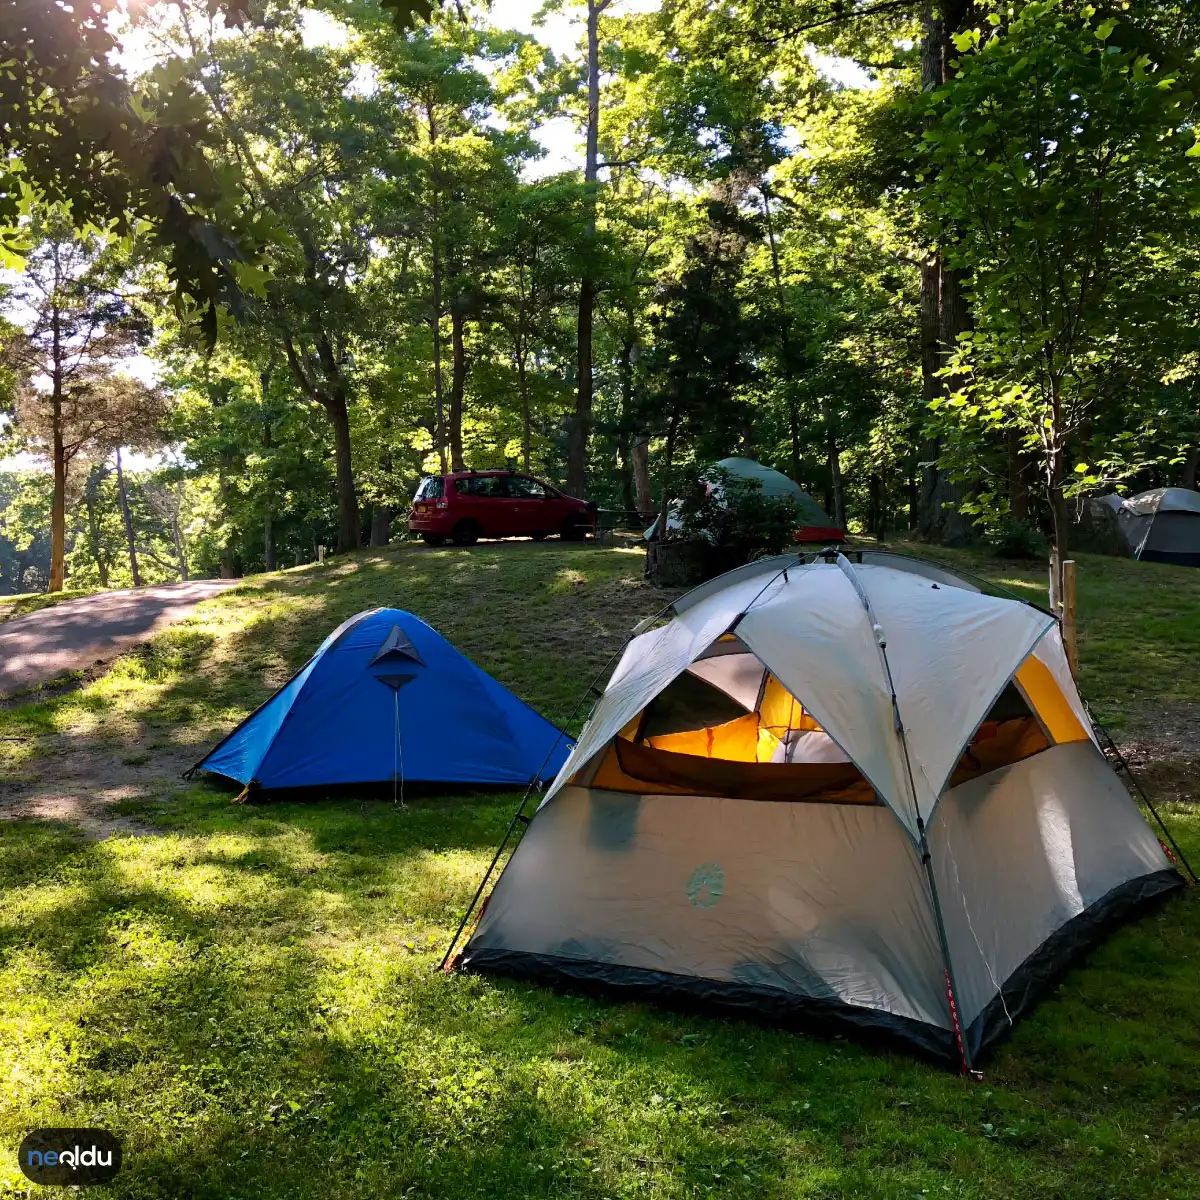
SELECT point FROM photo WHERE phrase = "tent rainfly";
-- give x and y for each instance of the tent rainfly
(864, 796)
(1162, 525)
(386, 699)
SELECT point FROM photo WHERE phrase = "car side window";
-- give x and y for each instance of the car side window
(480, 486)
(525, 489)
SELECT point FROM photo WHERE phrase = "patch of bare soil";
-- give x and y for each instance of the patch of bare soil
(1161, 743)
(88, 787)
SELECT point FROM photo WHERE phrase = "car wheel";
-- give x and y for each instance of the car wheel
(573, 530)
(433, 539)
(540, 536)
(466, 533)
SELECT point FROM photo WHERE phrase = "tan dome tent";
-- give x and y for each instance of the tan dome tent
(1162, 525)
(864, 796)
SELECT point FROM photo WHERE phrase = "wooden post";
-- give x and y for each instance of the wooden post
(1068, 616)
(320, 554)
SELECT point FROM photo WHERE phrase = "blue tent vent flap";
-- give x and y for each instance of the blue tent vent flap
(332, 724)
(396, 645)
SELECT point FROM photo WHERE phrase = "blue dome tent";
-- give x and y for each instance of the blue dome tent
(387, 699)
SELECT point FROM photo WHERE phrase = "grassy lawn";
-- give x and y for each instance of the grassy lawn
(27, 602)
(247, 994)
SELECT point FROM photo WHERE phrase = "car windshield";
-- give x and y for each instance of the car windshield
(430, 488)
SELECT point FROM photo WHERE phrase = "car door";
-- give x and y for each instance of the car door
(482, 501)
(529, 506)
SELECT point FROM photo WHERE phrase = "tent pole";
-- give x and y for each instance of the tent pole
(519, 817)
(1137, 783)
(964, 1051)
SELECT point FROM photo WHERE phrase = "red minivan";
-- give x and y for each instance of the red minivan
(468, 505)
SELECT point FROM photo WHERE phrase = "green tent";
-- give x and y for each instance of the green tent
(776, 484)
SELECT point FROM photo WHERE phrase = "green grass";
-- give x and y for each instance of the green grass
(27, 602)
(247, 995)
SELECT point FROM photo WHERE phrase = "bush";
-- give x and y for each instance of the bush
(1016, 539)
(733, 513)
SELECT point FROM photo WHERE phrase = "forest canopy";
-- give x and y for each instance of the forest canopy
(267, 264)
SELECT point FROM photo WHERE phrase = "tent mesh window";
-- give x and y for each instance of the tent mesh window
(695, 738)
(1010, 732)
(746, 737)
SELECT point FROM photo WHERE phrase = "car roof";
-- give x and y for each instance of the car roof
(489, 471)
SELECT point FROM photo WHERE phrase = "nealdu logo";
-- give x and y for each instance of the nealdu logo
(69, 1156)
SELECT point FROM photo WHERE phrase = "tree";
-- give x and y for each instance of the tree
(72, 399)
(1065, 160)
(702, 356)
(581, 426)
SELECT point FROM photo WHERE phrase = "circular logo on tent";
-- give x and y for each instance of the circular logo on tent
(706, 885)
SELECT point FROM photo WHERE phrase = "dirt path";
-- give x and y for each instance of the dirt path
(77, 634)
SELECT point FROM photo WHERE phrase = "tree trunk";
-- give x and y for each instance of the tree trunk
(1191, 467)
(526, 419)
(177, 533)
(58, 511)
(626, 438)
(625, 470)
(930, 520)
(837, 493)
(268, 499)
(1056, 481)
(381, 524)
(785, 340)
(127, 517)
(1018, 481)
(268, 542)
(436, 316)
(577, 443)
(339, 418)
(95, 478)
(836, 489)
(944, 310)
(457, 384)
(438, 401)
(230, 568)
(643, 491)
(878, 486)
(668, 461)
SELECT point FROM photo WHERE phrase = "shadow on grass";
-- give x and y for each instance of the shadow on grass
(249, 998)
(250, 1001)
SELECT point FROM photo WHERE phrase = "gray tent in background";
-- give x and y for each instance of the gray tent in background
(774, 484)
(864, 796)
(1162, 525)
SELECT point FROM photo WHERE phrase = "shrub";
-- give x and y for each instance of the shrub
(728, 511)
(1016, 539)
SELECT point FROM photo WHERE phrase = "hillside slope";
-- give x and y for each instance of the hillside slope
(247, 994)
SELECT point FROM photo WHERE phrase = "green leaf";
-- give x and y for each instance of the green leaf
(1104, 29)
